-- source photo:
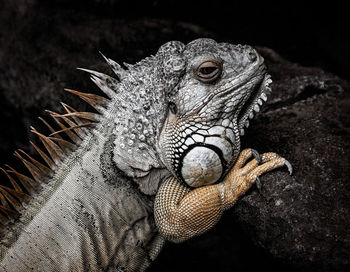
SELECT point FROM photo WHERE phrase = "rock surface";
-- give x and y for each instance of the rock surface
(296, 223)
(303, 219)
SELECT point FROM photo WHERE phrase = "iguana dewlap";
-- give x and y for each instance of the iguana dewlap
(160, 160)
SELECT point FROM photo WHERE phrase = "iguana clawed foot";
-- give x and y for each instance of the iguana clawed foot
(251, 171)
(182, 213)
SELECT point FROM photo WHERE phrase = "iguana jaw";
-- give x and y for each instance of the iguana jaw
(253, 103)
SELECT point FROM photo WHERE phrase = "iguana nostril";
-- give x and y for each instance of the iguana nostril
(201, 166)
(252, 56)
(172, 107)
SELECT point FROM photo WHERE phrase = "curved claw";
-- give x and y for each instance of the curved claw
(256, 155)
(258, 184)
(289, 166)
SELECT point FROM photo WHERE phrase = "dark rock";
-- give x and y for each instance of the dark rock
(304, 218)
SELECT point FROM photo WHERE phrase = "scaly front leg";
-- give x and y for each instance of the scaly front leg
(182, 213)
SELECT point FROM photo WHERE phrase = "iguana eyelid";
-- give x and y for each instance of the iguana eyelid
(172, 107)
(208, 71)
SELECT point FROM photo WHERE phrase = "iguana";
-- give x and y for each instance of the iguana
(158, 160)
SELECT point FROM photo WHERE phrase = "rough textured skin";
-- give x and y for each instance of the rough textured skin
(161, 109)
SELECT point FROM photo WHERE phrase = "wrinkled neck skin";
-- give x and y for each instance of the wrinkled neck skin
(139, 110)
(136, 131)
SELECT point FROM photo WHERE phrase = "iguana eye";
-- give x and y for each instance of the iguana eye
(209, 71)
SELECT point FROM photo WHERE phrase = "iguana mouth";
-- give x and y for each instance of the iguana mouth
(254, 102)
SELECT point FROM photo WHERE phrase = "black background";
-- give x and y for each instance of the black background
(307, 32)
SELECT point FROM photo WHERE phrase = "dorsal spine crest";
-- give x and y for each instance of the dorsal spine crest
(77, 126)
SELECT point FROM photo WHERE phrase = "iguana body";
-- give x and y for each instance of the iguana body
(171, 119)
(89, 217)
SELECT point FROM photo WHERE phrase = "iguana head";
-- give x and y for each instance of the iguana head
(184, 109)
(219, 85)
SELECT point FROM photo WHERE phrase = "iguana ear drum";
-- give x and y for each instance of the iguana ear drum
(202, 165)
